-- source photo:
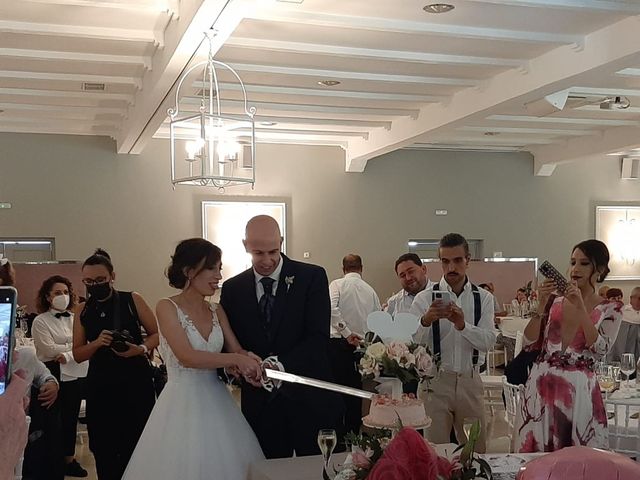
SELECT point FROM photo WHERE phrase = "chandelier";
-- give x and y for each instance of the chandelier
(212, 148)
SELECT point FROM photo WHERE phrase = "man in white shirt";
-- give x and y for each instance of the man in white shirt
(628, 339)
(413, 277)
(460, 332)
(352, 300)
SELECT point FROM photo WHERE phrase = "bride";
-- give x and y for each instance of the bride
(196, 430)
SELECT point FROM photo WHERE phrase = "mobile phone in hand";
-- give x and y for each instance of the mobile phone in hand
(444, 297)
(8, 302)
(552, 273)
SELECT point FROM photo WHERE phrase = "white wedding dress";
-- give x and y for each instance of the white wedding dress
(196, 430)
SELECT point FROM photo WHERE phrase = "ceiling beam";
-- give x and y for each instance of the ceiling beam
(614, 6)
(322, 121)
(391, 25)
(82, 111)
(72, 77)
(564, 120)
(366, 76)
(169, 6)
(83, 31)
(184, 37)
(328, 92)
(52, 128)
(604, 92)
(77, 56)
(388, 55)
(304, 107)
(32, 92)
(552, 132)
(611, 140)
(629, 72)
(605, 52)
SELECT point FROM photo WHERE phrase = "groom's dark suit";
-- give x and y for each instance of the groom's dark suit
(289, 418)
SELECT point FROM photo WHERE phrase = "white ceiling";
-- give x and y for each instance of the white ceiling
(458, 80)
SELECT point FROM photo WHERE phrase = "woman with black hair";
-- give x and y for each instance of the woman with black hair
(120, 393)
(212, 439)
(52, 333)
(562, 404)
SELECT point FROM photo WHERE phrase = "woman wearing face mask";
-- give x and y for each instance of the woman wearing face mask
(52, 333)
(120, 393)
(562, 404)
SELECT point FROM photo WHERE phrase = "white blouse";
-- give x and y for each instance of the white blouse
(54, 336)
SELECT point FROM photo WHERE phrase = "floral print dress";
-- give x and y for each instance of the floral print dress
(562, 405)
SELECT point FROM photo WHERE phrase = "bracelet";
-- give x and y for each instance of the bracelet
(145, 349)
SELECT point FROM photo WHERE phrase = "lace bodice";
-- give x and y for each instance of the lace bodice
(213, 344)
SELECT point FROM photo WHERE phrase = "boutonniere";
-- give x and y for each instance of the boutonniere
(289, 281)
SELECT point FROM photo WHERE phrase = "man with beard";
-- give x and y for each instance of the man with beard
(413, 278)
(459, 329)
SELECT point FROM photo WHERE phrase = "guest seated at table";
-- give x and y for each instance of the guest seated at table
(628, 340)
(7, 273)
(521, 296)
(43, 454)
(52, 334)
(602, 291)
(614, 294)
(562, 404)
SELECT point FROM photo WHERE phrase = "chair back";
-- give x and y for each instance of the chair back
(624, 426)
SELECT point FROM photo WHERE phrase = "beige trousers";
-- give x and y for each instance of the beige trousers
(454, 398)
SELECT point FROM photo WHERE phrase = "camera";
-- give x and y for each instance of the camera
(120, 337)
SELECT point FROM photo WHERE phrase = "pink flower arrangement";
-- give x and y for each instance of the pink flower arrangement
(406, 361)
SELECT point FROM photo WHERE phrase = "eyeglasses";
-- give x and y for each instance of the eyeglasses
(94, 281)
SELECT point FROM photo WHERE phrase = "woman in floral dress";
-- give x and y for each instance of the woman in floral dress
(562, 404)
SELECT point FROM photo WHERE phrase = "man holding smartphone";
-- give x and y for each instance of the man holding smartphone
(456, 320)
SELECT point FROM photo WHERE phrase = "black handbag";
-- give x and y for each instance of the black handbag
(159, 376)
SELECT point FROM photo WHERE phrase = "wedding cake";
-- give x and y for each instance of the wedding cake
(386, 411)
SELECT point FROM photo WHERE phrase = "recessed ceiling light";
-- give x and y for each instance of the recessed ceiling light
(328, 83)
(438, 8)
(491, 134)
(268, 124)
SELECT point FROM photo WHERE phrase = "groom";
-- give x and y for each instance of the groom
(280, 308)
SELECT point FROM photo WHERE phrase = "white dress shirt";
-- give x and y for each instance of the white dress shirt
(35, 372)
(401, 301)
(275, 275)
(630, 315)
(352, 300)
(54, 336)
(456, 346)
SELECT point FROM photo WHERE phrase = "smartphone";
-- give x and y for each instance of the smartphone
(552, 273)
(445, 297)
(8, 300)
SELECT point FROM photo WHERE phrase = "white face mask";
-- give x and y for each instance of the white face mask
(60, 302)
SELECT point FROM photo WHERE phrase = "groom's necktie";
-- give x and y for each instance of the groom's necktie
(267, 301)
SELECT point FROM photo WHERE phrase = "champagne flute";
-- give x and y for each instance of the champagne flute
(627, 365)
(616, 371)
(327, 440)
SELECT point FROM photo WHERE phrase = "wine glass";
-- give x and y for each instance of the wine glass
(606, 380)
(327, 440)
(627, 365)
(616, 371)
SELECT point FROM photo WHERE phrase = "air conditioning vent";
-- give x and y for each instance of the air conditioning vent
(93, 87)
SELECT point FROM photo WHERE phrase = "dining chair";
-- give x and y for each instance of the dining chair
(624, 426)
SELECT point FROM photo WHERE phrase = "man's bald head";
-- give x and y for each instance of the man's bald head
(263, 241)
(352, 263)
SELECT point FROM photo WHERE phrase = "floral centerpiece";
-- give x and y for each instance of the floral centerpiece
(408, 362)
(408, 456)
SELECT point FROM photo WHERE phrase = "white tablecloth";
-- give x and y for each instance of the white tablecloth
(510, 326)
(310, 468)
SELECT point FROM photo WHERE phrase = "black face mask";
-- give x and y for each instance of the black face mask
(99, 291)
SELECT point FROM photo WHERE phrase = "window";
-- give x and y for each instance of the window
(28, 249)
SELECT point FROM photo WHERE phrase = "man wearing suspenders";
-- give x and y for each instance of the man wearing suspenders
(459, 333)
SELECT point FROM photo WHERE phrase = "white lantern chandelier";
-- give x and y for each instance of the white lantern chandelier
(219, 148)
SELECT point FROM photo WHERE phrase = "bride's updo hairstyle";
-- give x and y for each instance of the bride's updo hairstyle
(598, 254)
(193, 253)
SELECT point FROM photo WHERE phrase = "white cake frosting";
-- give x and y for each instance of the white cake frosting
(385, 412)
